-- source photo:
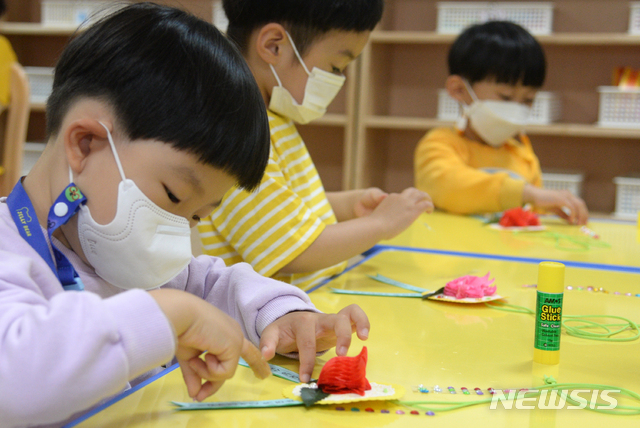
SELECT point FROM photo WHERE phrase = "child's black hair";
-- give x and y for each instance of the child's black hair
(306, 20)
(498, 50)
(171, 77)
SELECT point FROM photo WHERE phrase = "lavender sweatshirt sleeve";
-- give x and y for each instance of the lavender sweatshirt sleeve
(62, 352)
(248, 297)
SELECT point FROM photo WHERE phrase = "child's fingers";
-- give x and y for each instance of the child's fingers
(358, 319)
(269, 341)
(377, 195)
(426, 205)
(582, 213)
(200, 368)
(208, 389)
(219, 369)
(305, 333)
(340, 325)
(254, 358)
(191, 378)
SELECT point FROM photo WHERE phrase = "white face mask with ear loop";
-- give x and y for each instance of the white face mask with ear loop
(143, 247)
(494, 121)
(321, 88)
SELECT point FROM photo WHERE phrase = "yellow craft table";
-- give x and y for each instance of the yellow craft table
(415, 341)
(619, 242)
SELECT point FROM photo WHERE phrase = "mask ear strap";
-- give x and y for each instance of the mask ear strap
(469, 90)
(115, 153)
(295, 50)
(273, 70)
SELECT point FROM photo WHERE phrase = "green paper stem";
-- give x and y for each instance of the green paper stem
(389, 281)
(220, 405)
(374, 293)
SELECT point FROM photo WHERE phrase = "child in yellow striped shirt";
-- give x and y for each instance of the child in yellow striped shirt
(290, 229)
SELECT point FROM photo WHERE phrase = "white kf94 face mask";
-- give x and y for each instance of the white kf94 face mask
(321, 89)
(143, 247)
(495, 121)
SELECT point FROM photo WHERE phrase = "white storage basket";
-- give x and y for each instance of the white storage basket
(545, 108)
(75, 12)
(40, 83)
(536, 17)
(627, 197)
(448, 108)
(619, 107)
(634, 17)
(571, 181)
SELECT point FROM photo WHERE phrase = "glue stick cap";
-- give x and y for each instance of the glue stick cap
(551, 277)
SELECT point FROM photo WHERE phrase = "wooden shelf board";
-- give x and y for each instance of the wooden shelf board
(587, 39)
(35, 29)
(556, 129)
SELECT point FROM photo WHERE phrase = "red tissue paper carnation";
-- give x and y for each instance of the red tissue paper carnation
(519, 217)
(470, 286)
(342, 375)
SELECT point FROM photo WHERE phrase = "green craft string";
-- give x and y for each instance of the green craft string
(586, 328)
(569, 243)
(550, 385)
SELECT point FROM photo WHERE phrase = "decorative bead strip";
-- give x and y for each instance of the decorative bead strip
(385, 411)
(590, 288)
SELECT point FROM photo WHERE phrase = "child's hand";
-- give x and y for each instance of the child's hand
(561, 202)
(368, 201)
(398, 210)
(309, 332)
(200, 327)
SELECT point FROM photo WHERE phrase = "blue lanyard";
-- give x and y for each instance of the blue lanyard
(24, 216)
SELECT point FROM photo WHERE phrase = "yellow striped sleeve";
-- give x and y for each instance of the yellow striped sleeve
(272, 226)
(268, 228)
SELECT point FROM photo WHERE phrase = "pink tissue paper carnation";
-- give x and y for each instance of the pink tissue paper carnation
(470, 286)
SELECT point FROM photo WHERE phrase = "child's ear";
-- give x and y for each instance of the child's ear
(271, 38)
(82, 137)
(457, 89)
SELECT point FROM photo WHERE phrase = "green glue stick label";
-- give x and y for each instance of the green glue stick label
(548, 321)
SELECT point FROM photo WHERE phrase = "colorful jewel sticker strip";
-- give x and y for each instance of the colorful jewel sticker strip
(550, 385)
(385, 411)
(586, 328)
(436, 389)
(589, 288)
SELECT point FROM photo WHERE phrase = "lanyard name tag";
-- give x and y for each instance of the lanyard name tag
(24, 216)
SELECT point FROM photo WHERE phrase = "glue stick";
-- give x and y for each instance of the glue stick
(549, 313)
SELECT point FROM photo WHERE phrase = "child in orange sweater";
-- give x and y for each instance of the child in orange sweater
(486, 163)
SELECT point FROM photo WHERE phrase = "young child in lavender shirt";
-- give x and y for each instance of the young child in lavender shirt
(153, 117)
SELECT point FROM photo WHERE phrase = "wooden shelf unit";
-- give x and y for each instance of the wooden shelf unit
(405, 65)
(554, 129)
(40, 45)
(573, 39)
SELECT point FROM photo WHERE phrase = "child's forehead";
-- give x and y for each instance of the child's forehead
(348, 44)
